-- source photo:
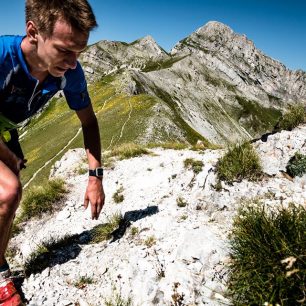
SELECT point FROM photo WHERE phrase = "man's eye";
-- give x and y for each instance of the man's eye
(63, 50)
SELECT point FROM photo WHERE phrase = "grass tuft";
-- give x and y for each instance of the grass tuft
(240, 162)
(104, 231)
(41, 199)
(268, 256)
(292, 118)
(83, 281)
(117, 300)
(118, 197)
(195, 165)
(128, 150)
(150, 241)
(296, 165)
(181, 202)
(134, 230)
(81, 169)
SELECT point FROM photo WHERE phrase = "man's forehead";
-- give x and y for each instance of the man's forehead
(68, 35)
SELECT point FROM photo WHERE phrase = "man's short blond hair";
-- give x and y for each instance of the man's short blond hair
(44, 13)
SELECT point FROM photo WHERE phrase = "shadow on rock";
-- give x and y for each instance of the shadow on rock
(51, 254)
(132, 216)
(58, 252)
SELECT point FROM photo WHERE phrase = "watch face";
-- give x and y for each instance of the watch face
(99, 171)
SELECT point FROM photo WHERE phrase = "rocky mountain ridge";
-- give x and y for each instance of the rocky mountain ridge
(215, 81)
(162, 244)
(247, 67)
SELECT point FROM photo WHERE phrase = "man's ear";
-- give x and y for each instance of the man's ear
(32, 32)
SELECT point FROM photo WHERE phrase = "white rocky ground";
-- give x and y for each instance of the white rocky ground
(191, 243)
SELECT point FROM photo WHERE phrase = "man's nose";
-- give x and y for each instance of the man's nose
(71, 61)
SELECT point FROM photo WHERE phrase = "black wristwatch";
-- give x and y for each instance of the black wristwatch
(98, 172)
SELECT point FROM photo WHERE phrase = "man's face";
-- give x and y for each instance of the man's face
(60, 51)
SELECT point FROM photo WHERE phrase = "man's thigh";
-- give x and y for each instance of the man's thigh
(9, 182)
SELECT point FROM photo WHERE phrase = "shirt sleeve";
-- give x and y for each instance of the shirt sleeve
(2, 50)
(1, 62)
(75, 89)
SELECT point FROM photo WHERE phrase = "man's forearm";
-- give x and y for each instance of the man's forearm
(92, 144)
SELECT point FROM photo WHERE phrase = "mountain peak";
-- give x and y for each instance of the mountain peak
(214, 27)
(147, 39)
(149, 45)
(210, 36)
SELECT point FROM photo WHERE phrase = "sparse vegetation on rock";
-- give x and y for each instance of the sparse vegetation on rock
(181, 202)
(116, 299)
(41, 199)
(195, 165)
(104, 231)
(292, 118)
(268, 255)
(150, 241)
(134, 230)
(83, 281)
(240, 162)
(118, 197)
(128, 150)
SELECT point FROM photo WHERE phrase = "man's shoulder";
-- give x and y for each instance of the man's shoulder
(9, 44)
(9, 41)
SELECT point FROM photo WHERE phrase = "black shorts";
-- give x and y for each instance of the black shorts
(14, 144)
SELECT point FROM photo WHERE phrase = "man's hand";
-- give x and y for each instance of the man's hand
(95, 195)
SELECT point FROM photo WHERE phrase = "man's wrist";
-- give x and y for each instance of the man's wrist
(97, 172)
(95, 179)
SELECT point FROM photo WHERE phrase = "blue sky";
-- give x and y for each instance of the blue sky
(276, 27)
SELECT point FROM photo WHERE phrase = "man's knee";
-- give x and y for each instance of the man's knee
(10, 196)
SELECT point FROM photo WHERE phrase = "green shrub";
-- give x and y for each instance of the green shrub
(128, 150)
(195, 165)
(41, 199)
(240, 162)
(296, 165)
(268, 256)
(292, 118)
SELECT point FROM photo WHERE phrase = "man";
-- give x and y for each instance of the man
(32, 69)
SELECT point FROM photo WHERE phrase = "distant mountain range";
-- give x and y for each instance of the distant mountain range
(214, 84)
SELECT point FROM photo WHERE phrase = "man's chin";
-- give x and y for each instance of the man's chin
(57, 72)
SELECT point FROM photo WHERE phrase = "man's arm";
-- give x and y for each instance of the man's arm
(94, 192)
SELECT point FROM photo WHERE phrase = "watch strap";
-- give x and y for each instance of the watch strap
(98, 172)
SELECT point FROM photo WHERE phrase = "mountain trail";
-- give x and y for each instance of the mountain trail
(51, 159)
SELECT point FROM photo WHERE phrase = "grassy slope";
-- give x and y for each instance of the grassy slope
(52, 131)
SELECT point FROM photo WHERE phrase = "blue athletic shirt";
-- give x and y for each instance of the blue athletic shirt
(19, 99)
